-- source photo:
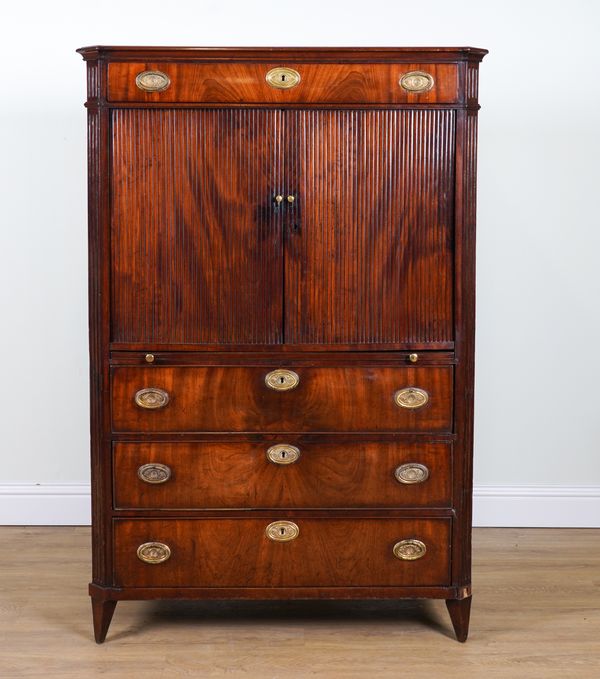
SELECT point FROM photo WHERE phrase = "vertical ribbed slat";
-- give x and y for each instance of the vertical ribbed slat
(373, 262)
(196, 245)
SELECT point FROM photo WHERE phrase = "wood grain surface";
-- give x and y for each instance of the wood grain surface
(320, 83)
(229, 475)
(346, 552)
(326, 399)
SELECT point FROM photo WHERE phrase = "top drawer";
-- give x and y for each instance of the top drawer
(302, 399)
(283, 83)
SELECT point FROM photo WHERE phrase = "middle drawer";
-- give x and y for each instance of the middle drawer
(300, 473)
(295, 399)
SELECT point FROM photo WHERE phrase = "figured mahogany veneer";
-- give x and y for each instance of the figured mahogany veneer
(237, 399)
(240, 83)
(230, 475)
(236, 553)
(286, 277)
(236, 229)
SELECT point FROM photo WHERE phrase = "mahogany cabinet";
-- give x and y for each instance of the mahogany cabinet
(281, 255)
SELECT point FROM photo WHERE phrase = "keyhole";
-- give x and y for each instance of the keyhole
(283, 453)
(283, 78)
(282, 380)
(282, 531)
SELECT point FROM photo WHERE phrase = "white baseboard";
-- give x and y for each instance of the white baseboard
(494, 506)
(45, 505)
(537, 506)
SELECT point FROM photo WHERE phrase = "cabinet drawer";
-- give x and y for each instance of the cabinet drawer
(233, 552)
(239, 399)
(279, 473)
(247, 83)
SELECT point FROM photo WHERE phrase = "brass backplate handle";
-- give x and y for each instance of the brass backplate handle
(282, 531)
(282, 379)
(411, 473)
(151, 398)
(153, 552)
(283, 453)
(417, 82)
(152, 81)
(411, 398)
(409, 550)
(154, 473)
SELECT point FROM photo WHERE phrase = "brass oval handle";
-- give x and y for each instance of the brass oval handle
(154, 472)
(416, 81)
(278, 199)
(411, 398)
(409, 550)
(152, 81)
(411, 472)
(151, 398)
(283, 453)
(282, 531)
(153, 552)
(282, 380)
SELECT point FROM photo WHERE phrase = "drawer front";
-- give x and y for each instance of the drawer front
(238, 552)
(237, 83)
(324, 399)
(281, 473)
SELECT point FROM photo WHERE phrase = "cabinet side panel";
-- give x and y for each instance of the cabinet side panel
(98, 299)
(465, 343)
(196, 248)
(370, 243)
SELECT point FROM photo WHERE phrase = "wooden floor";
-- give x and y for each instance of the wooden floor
(536, 613)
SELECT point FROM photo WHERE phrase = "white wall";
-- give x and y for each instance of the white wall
(538, 410)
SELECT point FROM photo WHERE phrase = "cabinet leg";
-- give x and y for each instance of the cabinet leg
(460, 612)
(102, 612)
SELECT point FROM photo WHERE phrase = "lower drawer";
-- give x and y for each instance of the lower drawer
(281, 472)
(269, 552)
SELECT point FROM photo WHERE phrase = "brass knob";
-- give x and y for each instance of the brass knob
(154, 472)
(151, 398)
(411, 398)
(149, 358)
(153, 552)
(413, 358)
(409, 550)
(411, 472)
(282, 531)
(291, 199)
(278, 199)
(283, 453)
(282, 380)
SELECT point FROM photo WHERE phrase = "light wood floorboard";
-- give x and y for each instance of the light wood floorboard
(536, 614)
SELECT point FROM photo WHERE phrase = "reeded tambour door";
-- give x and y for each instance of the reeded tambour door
(369, 247)
(195, 234)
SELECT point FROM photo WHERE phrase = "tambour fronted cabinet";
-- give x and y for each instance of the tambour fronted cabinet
(281, 323)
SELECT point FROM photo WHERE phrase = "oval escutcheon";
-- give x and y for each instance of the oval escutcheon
(282, 379)
(283, 78)
(283, 453)
(282, 531)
